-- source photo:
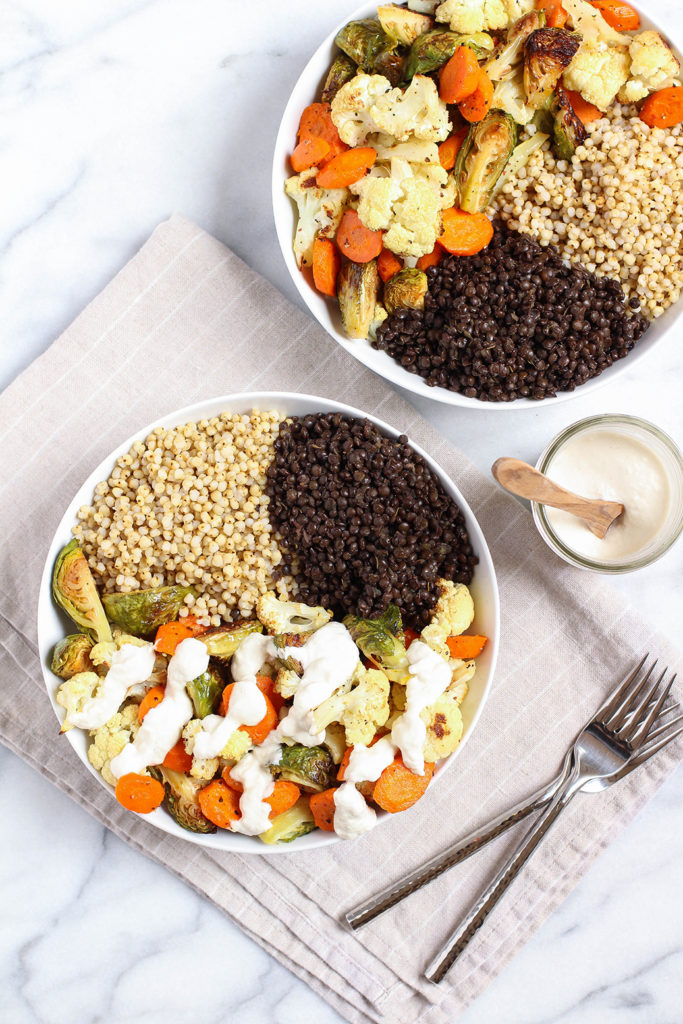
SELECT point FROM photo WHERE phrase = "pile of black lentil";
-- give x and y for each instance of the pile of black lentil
(362, 519)
(514, 321)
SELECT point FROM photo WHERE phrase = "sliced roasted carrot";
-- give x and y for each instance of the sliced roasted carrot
(325, 266)
(344, 763)
(459, 77)
(285, 794)
(398, 788)
(322, 808)
(465, 234)
(357, 242)
(449, 149)
(555, 14)
(466, 646)
(346, 168)
(139, 793)
(316, 122)
(257, 733)
(431, 259)
(310, 152)
(178, 759)
(663, 109)
(267, 687)
(585, 111)
(150, 700)
(173, 633)
(618, 14)
(388, 265)
(476, 106)
(219, 804)
(409, 635)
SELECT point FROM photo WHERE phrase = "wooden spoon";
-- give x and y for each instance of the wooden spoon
(522, 479)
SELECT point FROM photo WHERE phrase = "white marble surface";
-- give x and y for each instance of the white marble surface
(112, 116)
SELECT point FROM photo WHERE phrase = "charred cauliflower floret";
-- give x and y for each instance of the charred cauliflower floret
(101, 653)
(74, 693)
(598, 72)
(453, 614)
(409, 213)
(281, 616)
(109, 740)
(468, 16)
(653, 66)
(206, 767)
(320, 211)
(362, 709)
(286, 682)
(444, 727)
(367, 104)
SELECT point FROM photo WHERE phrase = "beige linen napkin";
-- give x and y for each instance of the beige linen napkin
(186, 320)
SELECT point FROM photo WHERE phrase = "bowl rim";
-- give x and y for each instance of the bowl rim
(360, 349)
(47, 613)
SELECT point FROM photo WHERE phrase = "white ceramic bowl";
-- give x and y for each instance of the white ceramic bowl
(325, 311)
(53, 625)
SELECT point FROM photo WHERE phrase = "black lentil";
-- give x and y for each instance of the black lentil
(362, 519)
(514, 321)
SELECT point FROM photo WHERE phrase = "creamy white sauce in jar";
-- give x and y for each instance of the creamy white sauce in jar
(610, 464)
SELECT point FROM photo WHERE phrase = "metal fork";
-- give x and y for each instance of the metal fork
(658, 738)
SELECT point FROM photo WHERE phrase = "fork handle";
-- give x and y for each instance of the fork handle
(470, 925)
(460, 851)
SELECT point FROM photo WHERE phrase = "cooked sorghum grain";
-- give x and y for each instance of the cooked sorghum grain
(363, 520)
(188, 505)
(616, 206)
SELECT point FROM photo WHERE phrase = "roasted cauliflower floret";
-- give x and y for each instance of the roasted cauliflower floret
(453, 614)
(653, 66)
(416, 223)
(444, 727)
(320, 211)
(598, 72)
(109, 740)
(74, 692)
(367, 104)
(590, 24)
(468, 16)
(286, 682)
(206, 767)
(376, 198)
(362, 709)
(101, 653)
(281, 616)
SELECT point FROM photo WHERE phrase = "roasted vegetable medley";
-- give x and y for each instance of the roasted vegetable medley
(430, 114)
(271, 727)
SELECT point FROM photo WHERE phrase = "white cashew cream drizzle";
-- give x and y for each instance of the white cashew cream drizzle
(130, 665)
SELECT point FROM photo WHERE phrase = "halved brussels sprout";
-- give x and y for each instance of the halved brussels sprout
(510, 51)
(142, 612)
(182, 799)
(310, 767)
(403, 25)
(72, 655)
(357, 288)
(547, 52)
(223, 641)
(482, 158)
(406, 290)
(74, 590)
(431, 50)
(382, 641)
(568, 129)
(205, 691)
(286, 827)
(342, 71)
(368, 45)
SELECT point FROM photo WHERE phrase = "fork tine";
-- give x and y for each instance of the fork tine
(611, 701)
(641, 719)
(615, 715)
(650, 748)
(661, 727)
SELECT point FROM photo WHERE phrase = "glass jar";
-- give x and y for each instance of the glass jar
(662, 446)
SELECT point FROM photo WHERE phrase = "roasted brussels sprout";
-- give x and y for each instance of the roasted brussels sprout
(72, 655)
(568, 129)
(309, 767)
(74, 590)
(357, 287)
(297, 821)
(382, 641)
(547, 52)
(510, 51)
(142, 612)
(482, 158)
(205, 691)
(368, 45)
(222, 642)
(342, 71)
(405, 290)
(401, 24)
(431, 50)
(181, 799)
